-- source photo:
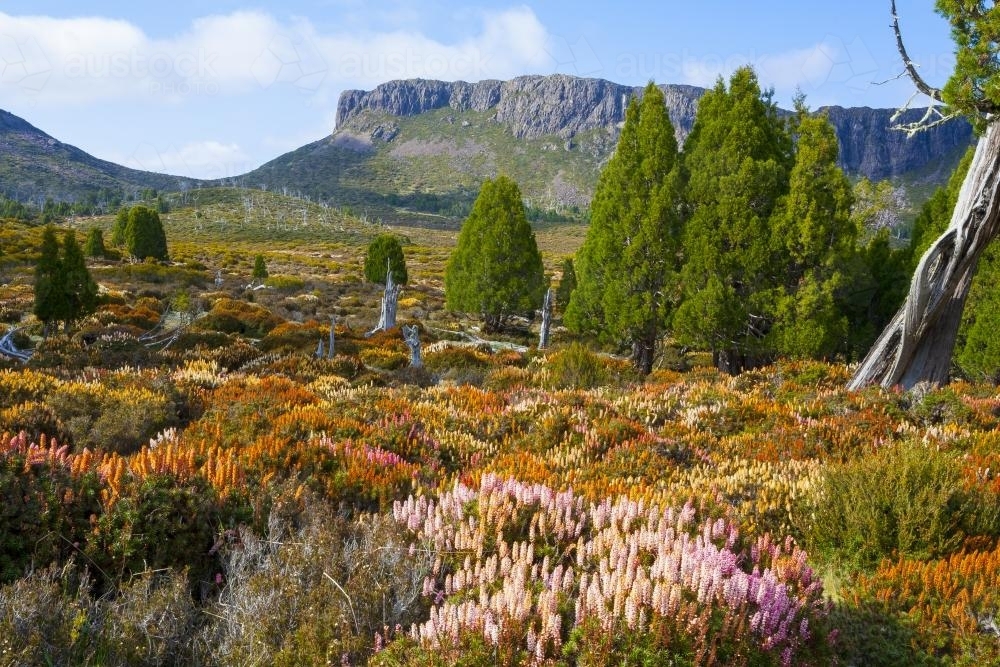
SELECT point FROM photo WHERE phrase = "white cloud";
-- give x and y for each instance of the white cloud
(83, 61)
(811, 69)
(200, 159)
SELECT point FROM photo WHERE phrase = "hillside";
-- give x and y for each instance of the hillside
(36, 166)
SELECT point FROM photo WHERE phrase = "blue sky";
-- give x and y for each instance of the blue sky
(216, 90)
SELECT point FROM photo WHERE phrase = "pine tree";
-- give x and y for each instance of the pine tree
(566, 284)
(385, 251)
(259, 269)
(495, 270)
(814, 239)
(50, 292)
(94, 247)
(144, 235)
(118, 230)
(737, 160)
(80, 290)
(627, 269)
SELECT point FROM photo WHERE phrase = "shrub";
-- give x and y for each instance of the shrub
(285, 283)
(575, 367)
(906, 500)
(232, 316)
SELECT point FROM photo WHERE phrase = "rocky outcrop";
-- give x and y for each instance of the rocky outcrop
(560, 105)
(529, 106)
(869, 145)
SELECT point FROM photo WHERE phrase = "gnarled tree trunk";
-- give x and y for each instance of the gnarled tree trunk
(917, 345)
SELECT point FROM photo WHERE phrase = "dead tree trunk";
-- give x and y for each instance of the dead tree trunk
(918, 343)
(411, 334)
(543, 336)
(390, 301)
(333, 324)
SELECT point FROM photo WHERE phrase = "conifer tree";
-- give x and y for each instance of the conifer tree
(495, 270)
(385, 251)
(144, 235)
(737, 159)
(814, 239)
(627, 268)
(118, 230)
(80, 290)
(259, 269)
(94, 247)
(566, 284)
(50, 300)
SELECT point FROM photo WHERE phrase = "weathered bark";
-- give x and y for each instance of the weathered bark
(390, 301)
(543, 336)
(643, 355)
(333, 324)
(918, 343)
(411, 334)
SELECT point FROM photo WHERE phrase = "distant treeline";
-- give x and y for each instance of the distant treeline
(458, 204)
(99, 202)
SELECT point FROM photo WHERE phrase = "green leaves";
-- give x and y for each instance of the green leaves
(385, 251)
(64, 290)
(496, 270)
(143, 235)
(974, 88)
(627, 268)
(737, 158)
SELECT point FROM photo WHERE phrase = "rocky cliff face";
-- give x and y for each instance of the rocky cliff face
(529, 106)
(869, 145)
(560, 105)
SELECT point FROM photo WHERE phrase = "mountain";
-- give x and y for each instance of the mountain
(417, 151)
(419, 145)
(35, 166)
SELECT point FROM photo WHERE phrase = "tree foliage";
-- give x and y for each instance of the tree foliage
(259, 269)
(814, 238)
(628, 267)
(974, 88)
(79, 288)
(94, 246)
(385, 252)
(64, 289)
(50, 280)
(118, 229)
(737, 158)
(144, 235)
(567, 283)
(495, 270)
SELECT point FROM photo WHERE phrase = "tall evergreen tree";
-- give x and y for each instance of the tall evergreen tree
(50, 291)
(628, 266)
(814, 240)
(495, 270)
(259, 269)
(94, 247)
(567, 284)
(118, 230)
(80, 290)
(737, 160)
(385, 252)
(144, 235)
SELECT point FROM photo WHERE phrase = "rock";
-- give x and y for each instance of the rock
(563, 106)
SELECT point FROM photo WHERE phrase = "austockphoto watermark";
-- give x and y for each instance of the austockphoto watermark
(183, 88)
(195, 65)
(473, 65)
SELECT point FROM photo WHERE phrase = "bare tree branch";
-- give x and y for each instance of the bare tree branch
(911, 70)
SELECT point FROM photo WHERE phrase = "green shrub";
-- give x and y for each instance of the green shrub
(285, 283)
(906, 500)
(232, 316)
(575, 367)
